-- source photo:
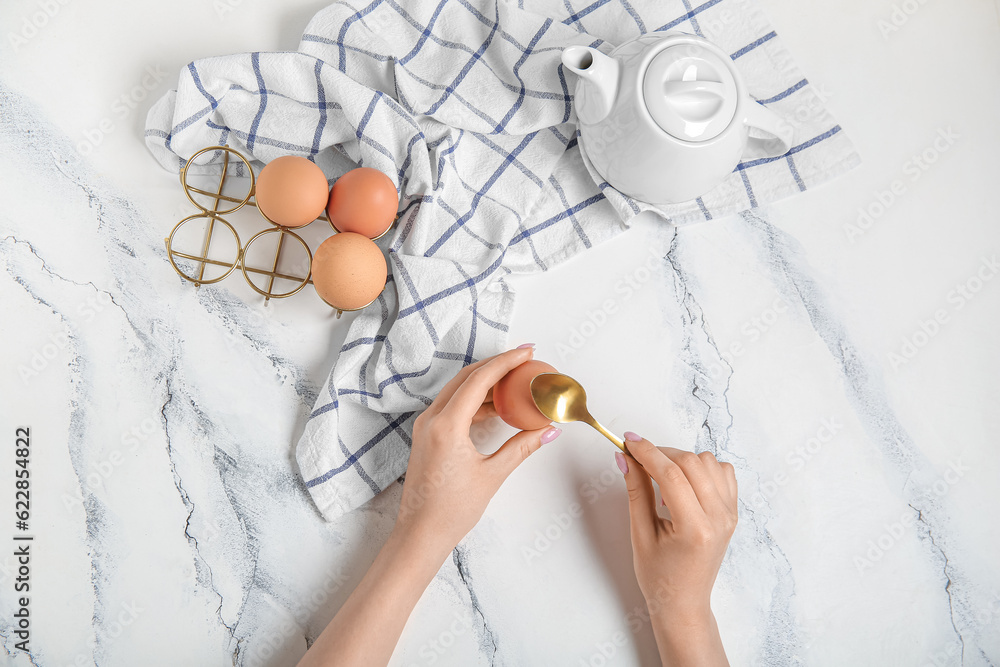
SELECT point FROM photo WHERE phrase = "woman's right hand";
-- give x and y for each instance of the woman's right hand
(677, 559)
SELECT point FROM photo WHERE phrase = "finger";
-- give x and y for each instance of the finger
(519, 447)
(730, 473)
(472, 392)
(642, 500)
(698, 477)
(485, 411)
(449, 388)
(716, 473)
(677, 493)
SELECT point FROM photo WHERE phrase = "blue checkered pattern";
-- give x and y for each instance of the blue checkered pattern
(465, 104)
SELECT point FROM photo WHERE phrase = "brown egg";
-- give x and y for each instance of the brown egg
(512, 396)
(348, 271)
(363, 200)
(291, 191)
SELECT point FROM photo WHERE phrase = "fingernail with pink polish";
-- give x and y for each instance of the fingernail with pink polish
(550, 435)
(524, 346)
(632, 437)
(622, 462)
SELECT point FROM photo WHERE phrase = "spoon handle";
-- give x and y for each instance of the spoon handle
(607, 434)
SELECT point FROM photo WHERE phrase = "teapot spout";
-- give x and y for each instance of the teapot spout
(599, 75)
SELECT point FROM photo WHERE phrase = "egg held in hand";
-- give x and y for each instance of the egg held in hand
(512, 396)
(364, 200)
(349, 271)
(291, 191)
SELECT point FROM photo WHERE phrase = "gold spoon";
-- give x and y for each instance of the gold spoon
(562, 399)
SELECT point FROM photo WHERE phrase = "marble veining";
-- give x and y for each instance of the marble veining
(908, 466)
(169, 504)
(780, 642)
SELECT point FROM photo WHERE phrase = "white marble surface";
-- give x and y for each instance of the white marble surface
(171, 529)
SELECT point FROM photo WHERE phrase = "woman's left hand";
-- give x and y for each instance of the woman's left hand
(448, 482)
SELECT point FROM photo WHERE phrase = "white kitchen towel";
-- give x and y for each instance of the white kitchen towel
(466, 105)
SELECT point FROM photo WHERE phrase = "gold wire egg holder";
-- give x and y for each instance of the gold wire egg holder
(216, 221)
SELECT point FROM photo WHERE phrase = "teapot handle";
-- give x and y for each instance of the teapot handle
(759, 117)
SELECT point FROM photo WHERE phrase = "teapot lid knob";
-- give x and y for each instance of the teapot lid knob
(690, 92)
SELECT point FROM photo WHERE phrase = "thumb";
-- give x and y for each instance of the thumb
(519, 447)
(641, 498)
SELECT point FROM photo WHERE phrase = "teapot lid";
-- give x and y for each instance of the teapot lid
(690, 92)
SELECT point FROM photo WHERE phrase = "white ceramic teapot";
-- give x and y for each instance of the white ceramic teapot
(666, 117)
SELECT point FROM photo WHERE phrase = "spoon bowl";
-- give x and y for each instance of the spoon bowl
(562, 399)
